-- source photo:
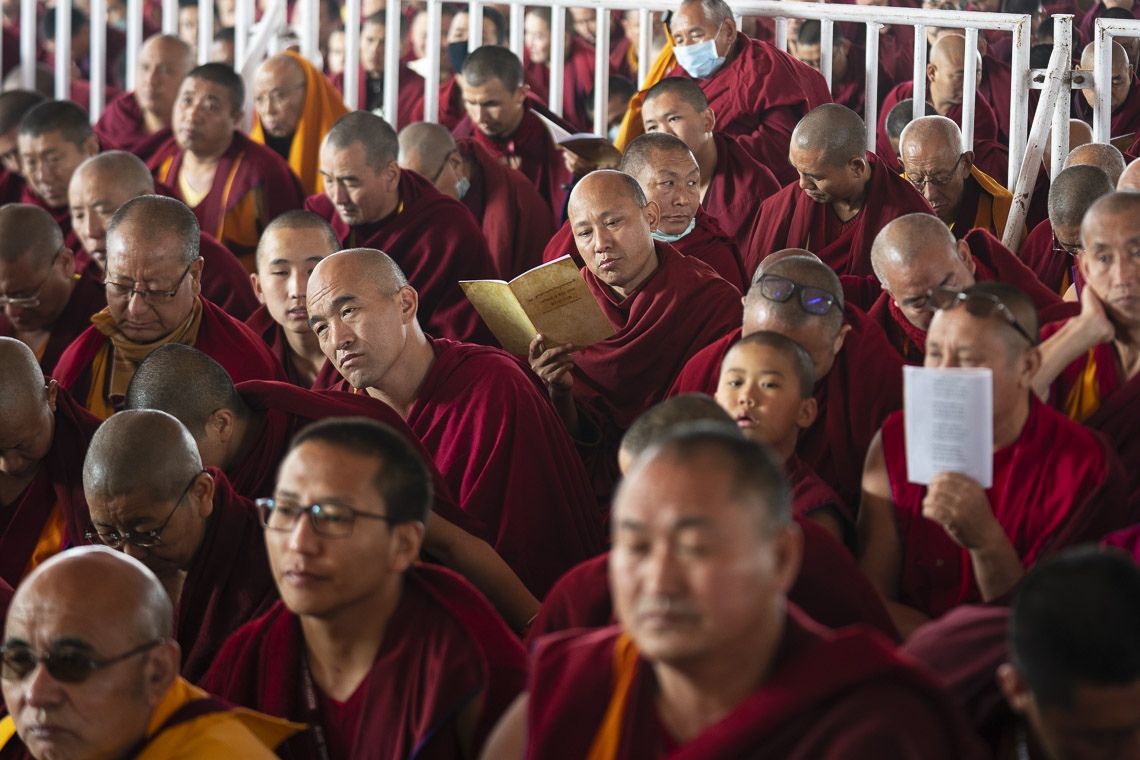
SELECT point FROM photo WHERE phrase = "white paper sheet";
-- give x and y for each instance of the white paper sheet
(949, 423)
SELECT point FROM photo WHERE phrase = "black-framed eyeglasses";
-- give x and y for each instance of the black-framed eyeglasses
(1072, 249)
(978, 304)
(145, 539)
(330, 519)
(66, 664)
(446, 158)
(938, 180)
(152, 297)
(813, 300)
(31, 300)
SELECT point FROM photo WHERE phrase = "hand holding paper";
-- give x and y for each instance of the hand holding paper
(959, 504)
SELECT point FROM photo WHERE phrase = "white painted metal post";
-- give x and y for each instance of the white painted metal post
(475, 27)
(28, 37)
(170, 17)
(601, 70)
(1019, 97)
(63, 50)
(243, 21)
(826, 53)
(206, 31)
(1102, 77)
(393, 37)
(98, 57)
(970, 88)
(557, 62)
(1062, 39)
(310, 30)
(644, 46)
(918, 102)
(434, 39)
(134, 40)
(352, 72)
(518, 20)
(781, 33)
(871, 85)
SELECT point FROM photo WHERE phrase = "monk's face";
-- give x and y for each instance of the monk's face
(335, 57)
(1110, 263)
(457, 32)
(285, 259)
(372, 38)
(692, 26)
(39, 287)
(342, 578)
(360, 192)
(160, 70)
(279, 96)
(825, 181)
(139, 258)
(26, 434)
(670, 114)
(672, 180)
(938, 172)
(94, 197)
(536, 37)
(910, 284)
(585, 23)
(49, 160)
(1101, 723)
(694, 574)
(614, 236)
(1121, 83)
(205, 118)
(946, 78)
(493, 108)
(759, 387)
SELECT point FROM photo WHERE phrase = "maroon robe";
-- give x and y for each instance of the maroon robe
(228, 582)
(11, 187)
(828, 695)
(443, 647)
(985, 120)
(61, 215)
(791, 219)
(738, 186)
(577, 83)
(57, 482)
(220, 336)
(516, 221)
(1055, 269)
(994, 89)
(863, 386)
(433, 256)
(759, 97)
(1057, 485)
(274, 336)
(122, 127)
(409, 101)
(896, 47)
(850, 91)
(86, 299)
(245, 167)
(1087, 25)
(706, 242)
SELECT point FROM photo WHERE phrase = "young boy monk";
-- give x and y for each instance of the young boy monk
(766, 383)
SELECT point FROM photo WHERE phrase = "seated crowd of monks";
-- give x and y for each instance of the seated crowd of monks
(270, 487)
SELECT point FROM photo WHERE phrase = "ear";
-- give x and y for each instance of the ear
(255, 280)
(407, 538)
(161, 670)
(966, 257)
(809, 409)
(846, 46)
(196, 275)
(931, 70)
(731, 36)
(392, 175)
(67, 256)
(220, 425)
(841, 338)
(409, 301)
(238, 116)
(652, 215)
(859, 167)
(520, 94)
(1014, 689)
(1031, 363)
(202, 493)
(51, 393)
(90, 146)
(788, 545)
(967, 162)
(709, 118)
(983, 46)
(1082, 265)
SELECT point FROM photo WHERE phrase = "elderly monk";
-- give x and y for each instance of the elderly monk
(46, 302)
(1125, 92)
(858, 377)
(1051, 250)
(733, 184)
(105, 182)
(370, 202)
(290, 247)
(509, 124)
(916, 254)
(55, 137)
(844, 196)
(493, 435)
(830, 588)
(757, 91)
(370, 80)
(669, 176)
(516, 222)
(357, 614)
(1103, 155)
(296, 105)
(785, 686)
(43, 439)
(235, 186)
(90, 669)
(937, 164)
(139, 121)
(14, 104)
(1130, 177)
(150, 497)
(153, 282)
(664, 306)
(930, 548)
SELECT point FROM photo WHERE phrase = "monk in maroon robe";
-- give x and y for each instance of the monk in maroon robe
(153, 241)
(235, 186)
(577, 71)
(1125, 93)
(139, 122)
(45, 435)
(844, 197)
(793, 689)
(1054, 482)
(14, 105)
(758, 92)
(985, 120)
(370, 77)
(848, 65)
(370, 202)
(424, 628)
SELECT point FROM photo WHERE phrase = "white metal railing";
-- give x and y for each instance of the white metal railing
(1106, 31)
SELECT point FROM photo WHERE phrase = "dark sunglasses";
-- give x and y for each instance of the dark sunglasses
(780, 289)
(65, 665)
(980, 305)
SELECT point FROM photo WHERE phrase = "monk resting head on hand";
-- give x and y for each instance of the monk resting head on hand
(37, 271)
(936, 162)
(99, 187)
(668, 174)
(829, 151)
(359, 168)
(27, 425)
(1109, 234)
(55, 137)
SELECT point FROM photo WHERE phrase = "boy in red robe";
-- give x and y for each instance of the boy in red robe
(705, 552)
(359, 617)
(930, 548)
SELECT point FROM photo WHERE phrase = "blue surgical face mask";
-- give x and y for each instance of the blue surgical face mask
(659, 235)
(699, 60)
(462, 186)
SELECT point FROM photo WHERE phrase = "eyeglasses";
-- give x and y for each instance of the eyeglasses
(152, 297)
(145, 539)
(276, 96)
(938, 180)
(66, 665)
(1072, 249)
(33, 300)
(980, 305)
(330, 519)
(780, 289)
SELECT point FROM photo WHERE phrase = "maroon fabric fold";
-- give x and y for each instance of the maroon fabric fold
(122, 127)
(738, 186)
(1053, 268)
(409, 101)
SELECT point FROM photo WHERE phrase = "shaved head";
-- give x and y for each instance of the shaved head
(660, 419)
(493, 62)
(28, 231)
(143, 452)
(298, 219)
(643, 154)
(1080, 133)
(950, 49)
(1112, 204)
(1102, 155)
(1088, 60)
(906, 240)
(424, 146)
(686, 89)
(717, 11)
(127, 169)
(901, 114)
(156, 212)
(834, 129)
(620, 183)
(368, 264)
(932, 134)
(186, 384)
(14, 104)
(280, 64)
(21, 382)
(376, 136)
(1074, 191)
(1130, 179)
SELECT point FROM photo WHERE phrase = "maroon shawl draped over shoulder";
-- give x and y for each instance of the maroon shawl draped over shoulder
(1053, 268)
(791, 219)
(87, 298)
(443, 647)
(1063, 486)
(738, 186)
(759, 97)
(122, 127)
(433, 255)
(228, 584)
(829, 695)
(985, 120)
(274, 336)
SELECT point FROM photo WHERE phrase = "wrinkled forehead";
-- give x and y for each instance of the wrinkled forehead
(1106, 225)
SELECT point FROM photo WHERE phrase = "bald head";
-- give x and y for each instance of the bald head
(1102, 155)
(186, 384)
(368, 264)
(1130, 179)
(297, 219)
(424, 146)
(949, 50)
(931, 135)
(140, 452)
(803, 271)
(1088, 56)
(1115, 204)
(1072, 193)
(1080, 133)
(835, 130)
(606, 184)
(155, 212)
(906, 241)
(682, 87)
(21, 381)
(280, 65)
(661, 419)
(125, 169)
(14, 104)
(645, 153)
(376, 136)
(29, 233)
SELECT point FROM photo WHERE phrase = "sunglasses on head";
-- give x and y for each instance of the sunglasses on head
(813, 300)
(978, 304)
(66, 665)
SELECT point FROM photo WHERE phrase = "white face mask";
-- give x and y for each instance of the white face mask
(462, 186)
(664, 238)
(700, 60)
